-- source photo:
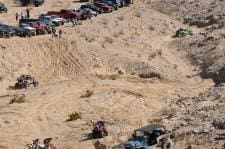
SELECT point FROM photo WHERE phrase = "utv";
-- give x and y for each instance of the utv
(3, 8)
(24, 81)
(183, 32)
(149, 137)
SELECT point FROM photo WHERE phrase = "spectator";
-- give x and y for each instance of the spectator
(28, 12)
(17, 16)
(60, 33)
(53, 31)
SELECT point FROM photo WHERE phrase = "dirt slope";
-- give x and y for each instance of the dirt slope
(206, 47)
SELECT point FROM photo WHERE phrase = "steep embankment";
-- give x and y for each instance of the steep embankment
(206, 49)
(47, 59)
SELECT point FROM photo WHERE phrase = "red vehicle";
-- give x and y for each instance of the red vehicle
(40, 27)
(99, 130)
(105, 8)
(66, 14)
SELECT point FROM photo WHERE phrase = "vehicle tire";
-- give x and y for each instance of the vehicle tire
(33, 33)
(16, 86)
(101, 134)
(1, 35)
(105, 133)
(94, 134)
(36, 84)
(26, 85)
(48, 31)
(7, 36)
(43, 32)
(167, 144)
(29, 35)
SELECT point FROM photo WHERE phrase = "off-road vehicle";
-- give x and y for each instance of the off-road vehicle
(183, 32)
(3, 8)
(149, 137)
(24, 81)
(99, 130)
(36, 3)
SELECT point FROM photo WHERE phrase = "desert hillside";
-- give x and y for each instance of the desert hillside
(125, 66)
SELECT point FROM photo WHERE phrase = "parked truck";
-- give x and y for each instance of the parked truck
(66, 14)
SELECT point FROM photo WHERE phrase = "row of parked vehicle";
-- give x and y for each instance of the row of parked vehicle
(3, 8)
(43, 24)
(36, 3)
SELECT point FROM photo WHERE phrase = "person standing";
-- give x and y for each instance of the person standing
(53, 31)
(28, 12)
(17, 16)
(72, 21)
(21, 15)
(60, 33)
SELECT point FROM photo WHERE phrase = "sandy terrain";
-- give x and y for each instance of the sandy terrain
(136, 40)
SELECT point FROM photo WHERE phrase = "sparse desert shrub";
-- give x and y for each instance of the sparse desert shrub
(113, 77)
(137, 14)
(103, 45)
(87, 94)
(121, 32)
(156, 121)
(154, 54)
(166, 111)
(121, 18)
(90, 39)
(17, 99)
(109, 40)
(79, 23)
(150, 75)
(116, 35)
(151, 28)
(105, 21)
(74, 116)
(104, 77)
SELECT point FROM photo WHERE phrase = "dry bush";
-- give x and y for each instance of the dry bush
(150, 27)
(87, 94)
(79, 23)
(88, 37)
(104, 77)
(121, 32)
(17, 99)
(116, 35)
(137, 14)
(103, 45)
(166, 111)
(109, 40)
(105, 21)
(154, 54)
(113, 77)
(74, 116)
(150, 75)
(121, 18)
(156, 121)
